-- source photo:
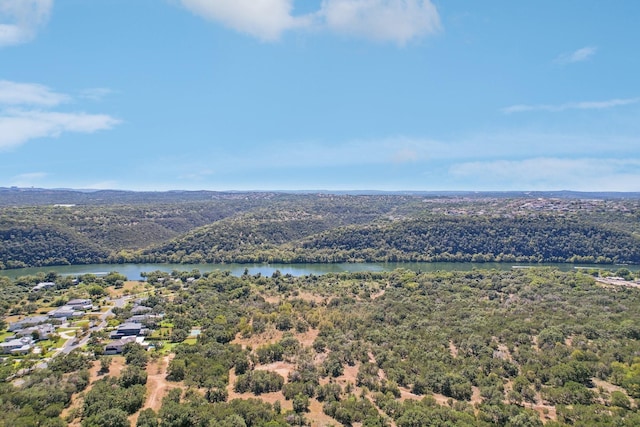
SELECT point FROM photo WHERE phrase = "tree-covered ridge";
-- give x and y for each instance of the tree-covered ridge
(324, 228)
(529, 239)
(33, 242)
(539, 238)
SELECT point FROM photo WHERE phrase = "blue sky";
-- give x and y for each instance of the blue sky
(311, 94)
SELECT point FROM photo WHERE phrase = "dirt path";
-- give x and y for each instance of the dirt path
(157, 385)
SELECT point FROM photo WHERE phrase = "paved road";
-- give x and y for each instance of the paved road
(72, 344)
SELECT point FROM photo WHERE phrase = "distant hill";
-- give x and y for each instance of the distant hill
(49, 227)
(15, 196)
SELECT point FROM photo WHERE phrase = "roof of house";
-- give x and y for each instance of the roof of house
(130, 326)
(33, 320)
(79, 301)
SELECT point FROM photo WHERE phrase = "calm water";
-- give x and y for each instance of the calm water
(132, 271)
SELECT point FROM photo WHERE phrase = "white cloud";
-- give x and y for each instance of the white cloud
(96, 93)
(26, 114)
(28, 179)
(264, 19)
(577, 56)
(397, 21)
(12, 93)
(549, 173)
(586, 105)
(386, 20)
(18, 126)
(21, 19)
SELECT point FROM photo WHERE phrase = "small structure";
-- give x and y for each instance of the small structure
(43, 285)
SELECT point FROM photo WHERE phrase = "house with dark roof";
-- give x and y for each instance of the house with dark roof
(117, 346)
(128, 329)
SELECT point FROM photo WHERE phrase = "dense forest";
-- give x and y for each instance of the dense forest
(183, 227)
(477, 348)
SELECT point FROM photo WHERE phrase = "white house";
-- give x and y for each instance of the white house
(80, 304)
(66, 312)
(43, 331)
(43, 285)
(17, 346)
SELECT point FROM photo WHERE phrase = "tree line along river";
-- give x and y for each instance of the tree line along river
(133, 271)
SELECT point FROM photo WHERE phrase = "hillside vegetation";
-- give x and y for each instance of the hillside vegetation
(270, 227)
(404, 349)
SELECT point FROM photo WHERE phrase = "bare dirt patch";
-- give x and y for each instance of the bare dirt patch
(282, 368)
(453, 349)
(378, 294)
(272, 299)
(265, 397)
(271, 335)
(305, 296)
(503, 353)
(129, 287)
(316, 417)
(607, 386)
(307, 338)
(308, 296)
(617, 281)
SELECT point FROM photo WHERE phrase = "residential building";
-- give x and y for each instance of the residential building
(65, 312)
(80, 304)
(27, 321)
(17, 346)
(128, 329)
(43, 332)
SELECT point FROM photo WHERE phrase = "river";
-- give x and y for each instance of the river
(132, 271)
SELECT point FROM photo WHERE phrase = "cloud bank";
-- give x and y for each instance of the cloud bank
(21, 19)
(585, 105)
(25, 114)
(553, 173)
(397, 21)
